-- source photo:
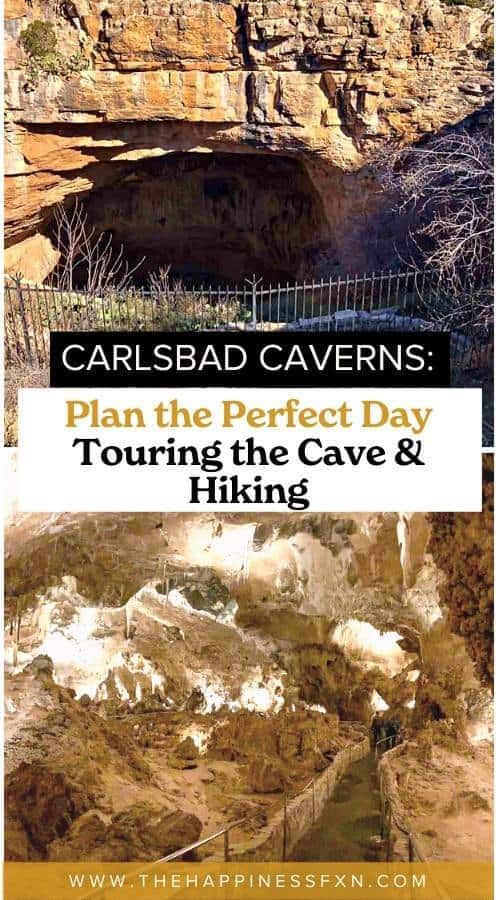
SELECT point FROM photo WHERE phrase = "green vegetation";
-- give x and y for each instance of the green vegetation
(40, 43)
(39, 40)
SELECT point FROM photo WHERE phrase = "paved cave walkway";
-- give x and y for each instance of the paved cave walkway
(349, 821)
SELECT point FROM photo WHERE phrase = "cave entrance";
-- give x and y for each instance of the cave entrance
(214, 217)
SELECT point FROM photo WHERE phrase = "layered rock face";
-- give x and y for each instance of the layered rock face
(323, 82)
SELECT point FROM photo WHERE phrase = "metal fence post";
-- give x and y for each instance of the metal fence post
(254, 301)
(254, 283)
(32, 310)
(389, 833)
(22, 312)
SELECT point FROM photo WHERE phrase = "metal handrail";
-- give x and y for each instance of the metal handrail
(96, 892)
(339, 302)
(414, 849)
(177, 854)
(390, 737)
(234, 288)
(224, 831)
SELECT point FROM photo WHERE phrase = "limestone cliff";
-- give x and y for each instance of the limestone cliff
(322, 83)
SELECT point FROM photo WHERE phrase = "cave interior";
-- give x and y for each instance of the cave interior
(210, 218)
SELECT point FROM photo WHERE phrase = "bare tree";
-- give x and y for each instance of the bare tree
(85, 251)
(444, 189)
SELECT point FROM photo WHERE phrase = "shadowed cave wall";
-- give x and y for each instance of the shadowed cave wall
(214, 217)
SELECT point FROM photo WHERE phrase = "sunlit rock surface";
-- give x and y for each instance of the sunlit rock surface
(319, 85)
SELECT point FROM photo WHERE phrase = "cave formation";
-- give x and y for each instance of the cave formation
(235, 654)
(468, 587)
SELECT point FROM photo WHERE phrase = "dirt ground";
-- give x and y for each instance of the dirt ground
(44, 723)
(449, 801)
(122, 761)
(215, 790)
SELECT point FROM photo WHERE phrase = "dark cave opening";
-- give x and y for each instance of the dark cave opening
(216, 218)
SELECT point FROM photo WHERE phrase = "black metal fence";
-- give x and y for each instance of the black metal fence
(399, 301)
